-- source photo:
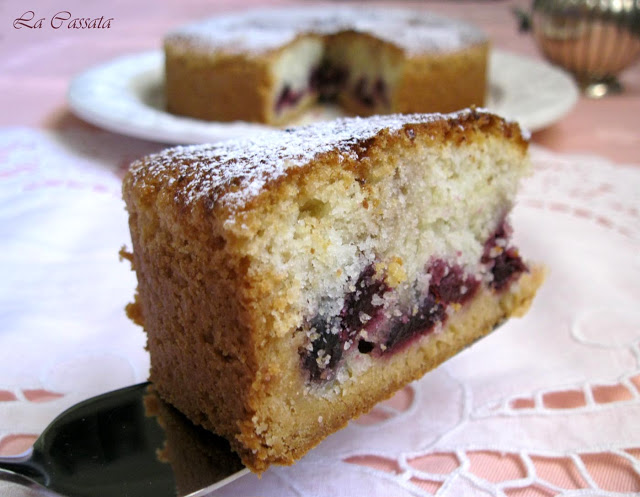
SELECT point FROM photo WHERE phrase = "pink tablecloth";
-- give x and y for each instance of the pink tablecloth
(548, 405)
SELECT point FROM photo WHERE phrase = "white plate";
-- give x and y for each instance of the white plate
(126, 96)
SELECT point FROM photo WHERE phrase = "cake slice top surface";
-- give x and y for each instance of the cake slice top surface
(229, 174)
(262, 30)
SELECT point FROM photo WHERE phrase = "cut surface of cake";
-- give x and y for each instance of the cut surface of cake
(270, 65)
(290, 281)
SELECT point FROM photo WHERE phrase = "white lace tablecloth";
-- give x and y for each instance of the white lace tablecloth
(547, 405)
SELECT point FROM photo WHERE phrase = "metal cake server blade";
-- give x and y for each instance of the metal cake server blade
(124, 443)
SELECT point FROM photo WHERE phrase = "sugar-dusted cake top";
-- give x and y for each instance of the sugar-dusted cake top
(259, 31)
(229, 174)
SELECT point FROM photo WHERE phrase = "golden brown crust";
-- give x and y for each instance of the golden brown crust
(444, 82)
(206, 87)
(191, 309)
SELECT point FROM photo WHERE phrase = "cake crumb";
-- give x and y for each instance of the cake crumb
(395, 272)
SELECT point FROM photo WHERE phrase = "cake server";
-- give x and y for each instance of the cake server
(124, 443)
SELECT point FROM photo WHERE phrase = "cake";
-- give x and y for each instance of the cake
(268, 66)
(289, 281)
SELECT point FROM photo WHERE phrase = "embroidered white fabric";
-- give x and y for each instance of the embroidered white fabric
(558, 388)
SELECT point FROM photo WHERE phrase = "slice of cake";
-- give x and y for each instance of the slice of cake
(270, 65)
(290, 281)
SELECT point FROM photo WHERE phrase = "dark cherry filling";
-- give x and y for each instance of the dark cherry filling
(449, 285)
(430, 312)
(329, 345)
(288, 98)
(359, 305)
(327, 80)
(506, 266)
(363, 324)
(326, 351)
(370, 93)
(504, 262)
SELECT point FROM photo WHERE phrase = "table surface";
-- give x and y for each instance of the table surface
(63, 289)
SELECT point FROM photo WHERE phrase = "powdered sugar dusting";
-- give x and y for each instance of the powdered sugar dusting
(231, 173)
(262, 30)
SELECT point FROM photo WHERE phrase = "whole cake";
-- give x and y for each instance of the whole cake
(268, 66)
(290, 281)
